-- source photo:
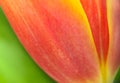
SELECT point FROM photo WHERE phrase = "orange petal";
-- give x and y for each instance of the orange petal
(114, 24)
(96, 11)
(57, 35)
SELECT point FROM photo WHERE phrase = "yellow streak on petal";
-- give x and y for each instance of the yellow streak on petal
(80, 11)
(112, 47)
(80, 15)
(110, 31)
(110, 24)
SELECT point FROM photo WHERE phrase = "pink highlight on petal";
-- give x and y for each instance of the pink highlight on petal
(57, 36)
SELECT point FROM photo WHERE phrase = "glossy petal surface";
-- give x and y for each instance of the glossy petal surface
(15, 64)
(114, 24)
(73, 41)
(58, 37)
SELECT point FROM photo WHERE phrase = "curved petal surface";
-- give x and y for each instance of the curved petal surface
(57, 35)
(114, 24)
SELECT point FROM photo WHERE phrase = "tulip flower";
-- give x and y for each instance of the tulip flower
(16, 66)
(73, 41)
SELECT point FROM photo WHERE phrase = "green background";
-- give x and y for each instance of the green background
(16, 66)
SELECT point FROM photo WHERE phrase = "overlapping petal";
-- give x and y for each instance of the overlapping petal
(74, 41)
(114, 28)
(58, 37)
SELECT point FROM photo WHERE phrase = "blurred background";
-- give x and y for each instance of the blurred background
(16, 66)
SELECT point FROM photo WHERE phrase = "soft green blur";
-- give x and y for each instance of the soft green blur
(117, 77)
(16, 66)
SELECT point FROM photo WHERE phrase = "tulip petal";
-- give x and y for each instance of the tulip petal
(114, 24)
(16, 66)
(96, 11)
(97, 16)
(57, 35)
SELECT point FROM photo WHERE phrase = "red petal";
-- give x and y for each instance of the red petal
(97, 15)
(57, 35)
(114, 24)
